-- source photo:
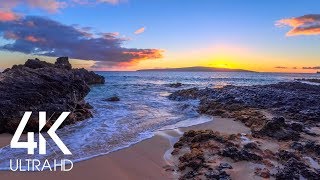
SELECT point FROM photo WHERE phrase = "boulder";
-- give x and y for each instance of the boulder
(113, 99)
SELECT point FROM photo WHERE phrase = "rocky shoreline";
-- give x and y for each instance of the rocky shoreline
(286, 115)
(41, 86)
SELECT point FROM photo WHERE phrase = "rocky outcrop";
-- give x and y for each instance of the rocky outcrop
(199, 153)
(42, 86)
(293, 100)
(309, 80)
(286, 115)
(175, 85)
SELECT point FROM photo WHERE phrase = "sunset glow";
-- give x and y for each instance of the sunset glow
(282, 41)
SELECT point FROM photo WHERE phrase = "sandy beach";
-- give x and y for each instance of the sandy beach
(140, 161)
(144, 160)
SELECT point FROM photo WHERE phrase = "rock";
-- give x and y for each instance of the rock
(194, 160)
(36, 63)
(113, 99)
(297, 146)
(224, 166)
(63, 63)
(216, 174)
(309, 80)
(309, 132)
(251, 145)
(184, 94)
(240, 155)
(278, 129)
(294, 169)
(296, 126)
(313, 147)
(284, 155)
(293, 100)
(175, 85)
(41, 86)
(88, 76)
(265, 173)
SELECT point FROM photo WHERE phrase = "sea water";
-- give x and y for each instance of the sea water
(143, 109)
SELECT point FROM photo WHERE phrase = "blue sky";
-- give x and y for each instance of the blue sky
(179, 27)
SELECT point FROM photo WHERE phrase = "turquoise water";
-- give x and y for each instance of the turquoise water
(143, 109)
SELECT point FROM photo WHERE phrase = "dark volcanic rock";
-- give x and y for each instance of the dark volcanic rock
(240, 155)
(63, 63)
(184, 94)
(278, 129)
(216, 174)
(251, 145)
(36, 63)
(113, 99)
(294, 169)
(309, 80)
(175, 85)
(88, 76)
(41, 86)
(313, 147)
(293, 100)
(284, 155)
(224, 166)
(192, 93)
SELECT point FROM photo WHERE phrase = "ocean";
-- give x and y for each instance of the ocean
(143, 109)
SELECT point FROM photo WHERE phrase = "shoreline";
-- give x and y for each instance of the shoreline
(143, 160)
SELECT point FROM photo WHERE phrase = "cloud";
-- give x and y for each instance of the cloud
(110, 1)
(8, 16)
(139, 31)
(48, 5)
(7, 6)
(51, 6)
(303, 25)
(281, 67)
(315, 67)
(86, 2)
(42, 36)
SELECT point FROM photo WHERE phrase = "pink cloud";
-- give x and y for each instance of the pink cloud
(110, 1)
(8, 16)
(139, 31)
(303, 25)
(48, 5)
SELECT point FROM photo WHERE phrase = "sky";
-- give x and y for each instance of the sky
(126, 35)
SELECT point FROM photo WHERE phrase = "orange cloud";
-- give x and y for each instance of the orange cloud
(33, 39)
(145, 54)
(141, 55)
(139, 31)
(8, 16)
(303, 25)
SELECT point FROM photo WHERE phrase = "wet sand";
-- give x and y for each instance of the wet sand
(144, 160)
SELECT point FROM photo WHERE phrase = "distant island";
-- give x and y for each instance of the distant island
(196, 69)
